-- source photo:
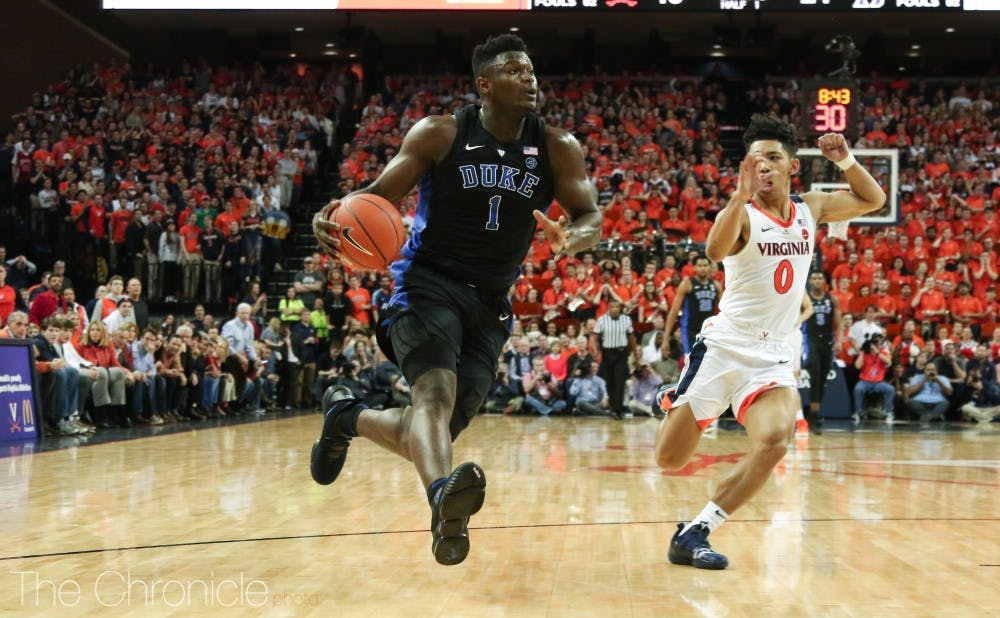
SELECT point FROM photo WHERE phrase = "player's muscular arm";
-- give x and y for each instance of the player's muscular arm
(426, 144)
(732, 226)
(865, 196)
(575, 196)
(675, 309)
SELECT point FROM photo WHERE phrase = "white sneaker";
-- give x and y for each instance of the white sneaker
(66, 427)
(75, 419)
(890, 418)
(983, 415)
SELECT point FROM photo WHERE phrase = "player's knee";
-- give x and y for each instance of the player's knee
(667, 455)
(669, 459)
(434, 396)
(773, 444)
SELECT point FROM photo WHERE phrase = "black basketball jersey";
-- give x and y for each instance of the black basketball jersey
(699, 304)
(820, 324)
(474, 214)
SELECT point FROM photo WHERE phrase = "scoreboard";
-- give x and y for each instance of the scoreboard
(830, 106)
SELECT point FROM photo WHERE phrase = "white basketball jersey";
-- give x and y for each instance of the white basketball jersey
(765, 281)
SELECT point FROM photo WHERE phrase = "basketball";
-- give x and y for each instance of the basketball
(371, 230)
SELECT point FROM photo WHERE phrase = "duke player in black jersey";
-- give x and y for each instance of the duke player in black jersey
(486, 174)
(696, 300)
(821, 340)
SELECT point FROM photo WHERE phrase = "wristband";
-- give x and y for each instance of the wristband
(846, 162)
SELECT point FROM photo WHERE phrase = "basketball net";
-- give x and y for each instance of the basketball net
(837, 229)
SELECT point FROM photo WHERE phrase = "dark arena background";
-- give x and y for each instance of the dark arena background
(160, 167)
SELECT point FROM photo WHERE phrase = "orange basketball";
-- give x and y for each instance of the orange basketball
(371, 230)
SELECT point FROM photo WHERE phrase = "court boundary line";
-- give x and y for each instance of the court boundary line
(330, 535)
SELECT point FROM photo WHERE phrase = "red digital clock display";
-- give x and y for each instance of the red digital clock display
(829, 106)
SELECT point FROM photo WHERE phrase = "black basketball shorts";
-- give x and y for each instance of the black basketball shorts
(435, 322)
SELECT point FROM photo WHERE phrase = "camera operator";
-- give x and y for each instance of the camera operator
(589, 391)
(928, 394)
(504, 396)
(872, 363)
(642, 389)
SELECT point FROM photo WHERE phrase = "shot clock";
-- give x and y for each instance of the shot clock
(830, 106)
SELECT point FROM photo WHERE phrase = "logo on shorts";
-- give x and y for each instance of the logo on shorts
(504, 317)
(784, 362)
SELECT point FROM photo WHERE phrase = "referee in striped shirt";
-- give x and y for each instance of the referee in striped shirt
(614, 337)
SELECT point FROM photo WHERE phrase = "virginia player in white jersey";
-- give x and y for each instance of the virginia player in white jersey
(764, 238)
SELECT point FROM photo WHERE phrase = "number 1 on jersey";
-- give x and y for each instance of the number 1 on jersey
(493, 224)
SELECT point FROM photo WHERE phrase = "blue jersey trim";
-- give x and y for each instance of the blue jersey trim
(409, 251)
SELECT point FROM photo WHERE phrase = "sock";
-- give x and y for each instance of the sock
(712, 516)
(432, 490)
(799, 416)
(347, 423)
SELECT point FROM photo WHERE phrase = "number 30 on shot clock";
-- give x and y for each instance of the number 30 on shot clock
(830, 106)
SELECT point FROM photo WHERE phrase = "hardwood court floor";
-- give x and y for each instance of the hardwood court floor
(226, 521)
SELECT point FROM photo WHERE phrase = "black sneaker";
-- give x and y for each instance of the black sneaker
(330, 452)
(461, 496)
(692, 549)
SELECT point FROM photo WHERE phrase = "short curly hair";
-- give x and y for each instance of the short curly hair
(763, 126)
(492, 47)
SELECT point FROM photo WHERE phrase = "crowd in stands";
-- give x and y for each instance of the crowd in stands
(120, 154)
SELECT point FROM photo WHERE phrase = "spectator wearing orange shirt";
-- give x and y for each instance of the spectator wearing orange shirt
(698, 229)
(967, 309)
(938, 167)
(983, 270)
(8, 296)
(886, 304)
(930, 303)
(580, 291)
(898, 273)
(540, 249)
(625, 228)
(225, 218)
(656, 202)
(946, 247)
(119, 254)
(864, 271)
(845, 270)
(240, 202)
(918, 253)
(628, 290)
(674, 229)
(905, 302)
(942, 273)
(988, 225)
(190, 258)
(360, 299)
(669, 269)
(843, 293)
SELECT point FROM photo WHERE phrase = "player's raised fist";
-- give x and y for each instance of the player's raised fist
(833, 146)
